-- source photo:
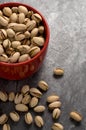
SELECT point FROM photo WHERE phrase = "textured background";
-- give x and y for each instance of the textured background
(67, 49)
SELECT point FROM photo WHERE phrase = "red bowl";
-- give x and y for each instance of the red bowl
(17, 71)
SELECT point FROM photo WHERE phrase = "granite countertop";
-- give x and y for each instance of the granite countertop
(67, 48)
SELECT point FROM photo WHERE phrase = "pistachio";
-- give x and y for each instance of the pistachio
(52, 98)
(58, 71)
(19, 36)
(3, 34)
(13, 17)
(22, 9)
(39, 121)
(11, 96)
(31, 25)
(6, 127)
(24, 57)
(3, 119)
(14, 116)
(18, 98)
(26, 99)
(3, 96)
(57, 126)
(27, 34)
(35, 92)
(6, 18)
(14, 57)
(41, 29)
(29, 14)
(21, 18)
(56, 113)
(17, 27)
(10, 52)
(15, 44)
(33, 102)
(76, 116)
(34, 51)
(3, 21)
(10, 33)
(6, 43)
(39, 41)
(1, 13)
(21, 107)
(54, 105)
(34, 32)
(23, 49)
(36, 17)
(43, 85)
(4, 58)
(7, 11)
(1, 50)
(25, 89)
(39, 108)
(15, 9)
(28, 118)
(26, 42)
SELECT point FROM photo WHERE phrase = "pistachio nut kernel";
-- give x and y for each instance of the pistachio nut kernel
(18, 98)
(52, 98)
(39, 121)
(7, 11)
(56, 113)
(34, 51)
(6, 127)
(11, 96)
(28, 118)
(58, 71)
(3, 96)
(43, 85)
(53, 105)
(57, 126)
(33, 102)
(39, 109)
(14, 116)
(21, 107)
(3, 119)
(76, 116)
(35, 92)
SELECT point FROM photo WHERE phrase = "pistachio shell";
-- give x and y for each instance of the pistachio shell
(14, 116)
(1, 50)
(57, 126)
(25, 89)
(3, 96)
(14, 57)
(76, 116)
(24, 57)
(34, 51)
(21, 107)
(6, 127)
(39, 108)
(39, 41)
(22, 9)
(3, 34)
(7, 11)
(13, 17)
(21, 18)
(10, 33)
(6, 43)
(19, 36)
(15, 44)
(34, 32)
(18, 98)
(33, 102)
(36, 17)
(3, 119)
(43, 85)
(39, 121)
(28, 118)
(3, 21)
(35, 92)
(11, 96)
(30, 25)
(4, 58)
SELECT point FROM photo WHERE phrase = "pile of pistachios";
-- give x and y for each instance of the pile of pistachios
(28, 99)
(21, 34)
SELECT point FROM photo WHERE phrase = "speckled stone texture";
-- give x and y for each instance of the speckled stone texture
(67, 49)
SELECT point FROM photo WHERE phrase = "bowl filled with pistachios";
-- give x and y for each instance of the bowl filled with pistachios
(24, 39)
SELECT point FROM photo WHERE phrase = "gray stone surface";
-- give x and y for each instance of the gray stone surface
(67, 49)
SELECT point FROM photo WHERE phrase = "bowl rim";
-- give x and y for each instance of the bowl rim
(47, 32)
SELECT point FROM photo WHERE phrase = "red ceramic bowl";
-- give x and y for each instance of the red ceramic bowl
(17, 71)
